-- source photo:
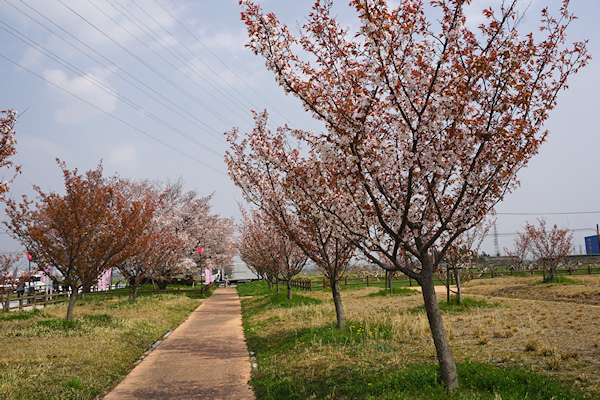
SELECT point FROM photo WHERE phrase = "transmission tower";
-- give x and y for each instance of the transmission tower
(496, 247)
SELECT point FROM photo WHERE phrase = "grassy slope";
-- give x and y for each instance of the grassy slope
(386, 352)
(42, 356)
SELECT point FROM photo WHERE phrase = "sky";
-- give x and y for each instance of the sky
(148, 87)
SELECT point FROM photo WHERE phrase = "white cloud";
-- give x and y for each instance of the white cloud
(83, 95)
(123, 159)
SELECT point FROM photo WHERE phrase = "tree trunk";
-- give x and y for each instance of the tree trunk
(277, 283)
(135, 292)
(391, 281)
(448, 370)
(543, 272)
(270, 283)
(448, 284)
(71, 305)
(289, 288)
(458, 294)
(553, 274)
(337, 301)
(386, 279)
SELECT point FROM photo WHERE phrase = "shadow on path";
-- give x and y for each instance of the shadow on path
(204, 358)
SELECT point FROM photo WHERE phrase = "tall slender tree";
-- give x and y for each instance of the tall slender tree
(8, 149)
(272, 188)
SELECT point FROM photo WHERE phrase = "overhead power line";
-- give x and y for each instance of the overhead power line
(130, 79)
(103, 87)
(232, 58)
(113, 116)
(550, 213)
(155, 70)
(517, 233)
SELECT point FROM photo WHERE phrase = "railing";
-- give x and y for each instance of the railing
(493, 273)
(31, 301)
(368, 281)
(37, 300)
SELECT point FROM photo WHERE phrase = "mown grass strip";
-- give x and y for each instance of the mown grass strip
(414, 381)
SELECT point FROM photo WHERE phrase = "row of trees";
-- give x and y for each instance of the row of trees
(268, 251)
(147, 230)
(426, 125)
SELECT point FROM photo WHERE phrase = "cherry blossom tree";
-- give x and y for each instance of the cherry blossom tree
(252, 244)
(7, 148)
(267, 186)
(7, 271)
(427, 122)
(548, 246)
(462, 253)
(157, 252)
(271, 248)
(189, 215)
(82, 233)
(520, 250)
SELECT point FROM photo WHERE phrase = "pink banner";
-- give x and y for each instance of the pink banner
(208, 275)
(104, 280)
(47, 272)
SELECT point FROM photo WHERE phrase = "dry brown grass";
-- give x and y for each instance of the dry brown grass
(587, 292)
(560, 338)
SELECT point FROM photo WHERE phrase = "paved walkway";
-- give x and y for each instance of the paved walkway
(204, 358)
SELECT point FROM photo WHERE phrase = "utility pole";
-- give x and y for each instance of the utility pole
(598, 236)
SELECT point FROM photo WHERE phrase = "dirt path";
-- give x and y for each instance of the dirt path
(204, 358)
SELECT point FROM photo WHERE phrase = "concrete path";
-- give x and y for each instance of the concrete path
(204, 358)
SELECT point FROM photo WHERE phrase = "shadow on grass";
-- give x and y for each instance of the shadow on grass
(416, 381)
(22, 315)
(276, 379)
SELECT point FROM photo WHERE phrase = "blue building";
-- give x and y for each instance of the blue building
(591, 245)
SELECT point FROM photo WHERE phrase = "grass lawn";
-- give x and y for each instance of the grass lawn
(504, 348)
(43, 356)
(149, 289)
